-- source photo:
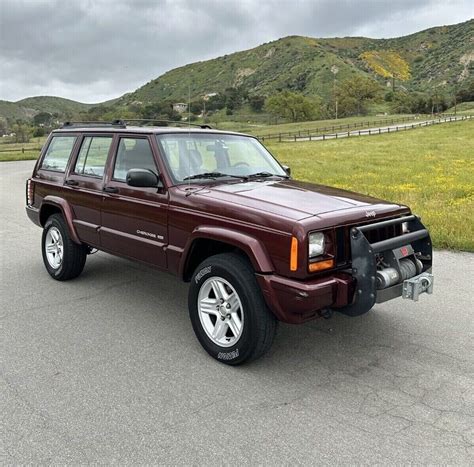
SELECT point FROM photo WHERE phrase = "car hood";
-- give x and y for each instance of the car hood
(293, 199)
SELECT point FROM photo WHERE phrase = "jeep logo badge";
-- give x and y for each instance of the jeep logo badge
(369, 213)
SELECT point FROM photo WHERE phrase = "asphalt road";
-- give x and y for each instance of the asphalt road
(106, 368)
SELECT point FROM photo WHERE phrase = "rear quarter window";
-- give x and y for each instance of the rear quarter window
(58, 153)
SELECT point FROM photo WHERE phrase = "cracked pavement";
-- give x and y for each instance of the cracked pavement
(106, 369)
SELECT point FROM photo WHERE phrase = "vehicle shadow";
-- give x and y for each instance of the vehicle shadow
(351, 345)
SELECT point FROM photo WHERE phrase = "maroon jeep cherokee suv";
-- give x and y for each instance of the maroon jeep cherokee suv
(216, 209)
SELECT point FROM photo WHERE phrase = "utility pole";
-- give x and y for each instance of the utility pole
(334, 71)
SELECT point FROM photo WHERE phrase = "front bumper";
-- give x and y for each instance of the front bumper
(353, 292)
(295, 301)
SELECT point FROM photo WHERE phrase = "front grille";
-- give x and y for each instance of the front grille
(343, 246)
(383, 233)
(343, 241)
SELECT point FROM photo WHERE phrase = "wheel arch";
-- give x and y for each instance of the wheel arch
(207, 241)
(54, 204)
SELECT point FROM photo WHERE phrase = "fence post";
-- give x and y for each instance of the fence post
(279, 138)
(380, 130)
(309, 137)
(369, 132)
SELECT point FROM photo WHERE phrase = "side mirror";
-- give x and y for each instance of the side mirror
(287, 170)
(143, 178)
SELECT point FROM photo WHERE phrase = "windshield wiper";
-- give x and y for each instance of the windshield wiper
(265, 174)
(213, 175)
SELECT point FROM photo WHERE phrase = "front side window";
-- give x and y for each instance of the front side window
(133, 153)
(192, 154)
(58, 153)
(93, 155)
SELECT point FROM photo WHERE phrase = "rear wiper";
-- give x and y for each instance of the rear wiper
(213, 175)
(266, 174)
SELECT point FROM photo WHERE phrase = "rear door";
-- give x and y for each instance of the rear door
(84, 184)
(134, 219)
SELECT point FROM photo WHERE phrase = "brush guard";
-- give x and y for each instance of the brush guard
(364, 264)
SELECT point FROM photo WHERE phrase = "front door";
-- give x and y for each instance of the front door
(134, 219)
(84, 183)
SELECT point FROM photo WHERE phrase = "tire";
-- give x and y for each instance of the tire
(62, 258)
(234, 324)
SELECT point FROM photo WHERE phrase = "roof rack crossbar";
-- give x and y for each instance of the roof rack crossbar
(173, 122)
(114, 123)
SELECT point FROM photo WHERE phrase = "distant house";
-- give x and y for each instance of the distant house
(180, 107)
(206, 97)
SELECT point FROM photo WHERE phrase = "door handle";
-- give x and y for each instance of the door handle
(111, 189)
(71, 182)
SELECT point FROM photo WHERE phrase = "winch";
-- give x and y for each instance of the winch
(396, 266)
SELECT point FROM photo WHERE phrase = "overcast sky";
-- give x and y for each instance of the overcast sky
(94, 50)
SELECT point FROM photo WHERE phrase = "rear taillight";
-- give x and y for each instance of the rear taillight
(29, 192)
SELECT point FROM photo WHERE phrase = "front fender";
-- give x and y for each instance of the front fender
(252, 247)
(66, 210)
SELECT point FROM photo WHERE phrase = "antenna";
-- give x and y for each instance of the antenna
(189, 103)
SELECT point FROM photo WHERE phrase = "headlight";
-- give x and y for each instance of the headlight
(316, 244)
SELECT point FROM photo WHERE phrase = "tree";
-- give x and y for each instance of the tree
(401, 103)
(160, 110)
(292, 105)
(22, 132)
(43, 119)
(3, 126)
(256, 103)
(466, 93)
(353, 94)
(196, 107)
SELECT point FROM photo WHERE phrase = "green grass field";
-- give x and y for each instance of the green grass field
(430, 169)
(10, 151)
(264, 130)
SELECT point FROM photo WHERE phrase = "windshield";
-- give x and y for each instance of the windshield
(190, 155)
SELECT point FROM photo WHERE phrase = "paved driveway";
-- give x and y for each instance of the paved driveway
(106, 369)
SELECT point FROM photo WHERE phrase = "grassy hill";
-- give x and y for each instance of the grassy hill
(441, 56)
(27, 108)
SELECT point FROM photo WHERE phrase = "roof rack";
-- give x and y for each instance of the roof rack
(114, 123)
(123, 123)
(155, 121)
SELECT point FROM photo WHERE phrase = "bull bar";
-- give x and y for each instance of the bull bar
(364, 265)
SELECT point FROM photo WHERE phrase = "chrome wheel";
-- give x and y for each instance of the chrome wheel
(220, 312)
(54, 247)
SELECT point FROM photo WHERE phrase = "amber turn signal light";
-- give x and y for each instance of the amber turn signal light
(294, 254)
(321, 265)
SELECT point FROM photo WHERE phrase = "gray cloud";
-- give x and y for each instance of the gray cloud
(93, 50)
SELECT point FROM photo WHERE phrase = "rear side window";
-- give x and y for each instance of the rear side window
(93, 155)
(133, 153)
(58, 153)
